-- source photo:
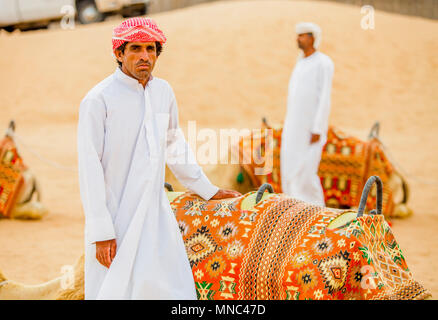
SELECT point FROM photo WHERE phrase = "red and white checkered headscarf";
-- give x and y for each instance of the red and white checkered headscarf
(137, 29)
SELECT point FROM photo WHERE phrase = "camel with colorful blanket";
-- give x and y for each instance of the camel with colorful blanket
(265, 245)
(20, 195)
(346, 164)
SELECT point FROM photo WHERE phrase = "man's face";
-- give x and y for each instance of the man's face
(305, 41)
(138, 59)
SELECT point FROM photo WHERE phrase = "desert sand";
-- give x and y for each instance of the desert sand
(229, 64)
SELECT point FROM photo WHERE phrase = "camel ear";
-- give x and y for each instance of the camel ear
(2, 277)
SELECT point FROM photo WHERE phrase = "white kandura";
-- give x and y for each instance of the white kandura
(308, 108)
(126, 133)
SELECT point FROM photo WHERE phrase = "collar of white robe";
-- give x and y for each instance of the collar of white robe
(130, 81)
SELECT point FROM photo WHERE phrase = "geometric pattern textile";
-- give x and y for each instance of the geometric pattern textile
(283, 248)
(11, 178)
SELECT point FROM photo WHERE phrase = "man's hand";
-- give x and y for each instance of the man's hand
(223, 194)
(106, 251)
(314, 138)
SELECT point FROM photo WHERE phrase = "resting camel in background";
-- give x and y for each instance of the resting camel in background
(346, 164)
(20, 195)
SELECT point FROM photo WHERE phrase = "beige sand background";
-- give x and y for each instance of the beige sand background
(229, 64)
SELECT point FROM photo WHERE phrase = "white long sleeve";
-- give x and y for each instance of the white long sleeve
(181, 160)
(320, 124)
(91, 130)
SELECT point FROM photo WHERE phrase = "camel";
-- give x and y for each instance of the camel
(23, 197)
(335, 249)
(241, 177)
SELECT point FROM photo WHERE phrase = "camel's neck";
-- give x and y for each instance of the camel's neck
(16, 291)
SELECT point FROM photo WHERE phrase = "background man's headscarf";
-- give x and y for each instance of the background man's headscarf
(137, 29)
(308, 27)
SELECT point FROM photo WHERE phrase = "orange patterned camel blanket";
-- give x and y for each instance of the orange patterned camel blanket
(345, 166)
(282, 248)
(11, 178)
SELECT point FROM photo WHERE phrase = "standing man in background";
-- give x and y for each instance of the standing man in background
(305, 128)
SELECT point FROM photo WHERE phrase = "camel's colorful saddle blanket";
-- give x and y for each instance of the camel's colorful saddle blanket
(283, 248)
(11, 179)
(345, 166)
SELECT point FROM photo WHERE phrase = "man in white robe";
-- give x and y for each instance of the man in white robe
(128, 128)
(306, 124)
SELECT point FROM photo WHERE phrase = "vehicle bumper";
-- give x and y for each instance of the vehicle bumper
(114, 5)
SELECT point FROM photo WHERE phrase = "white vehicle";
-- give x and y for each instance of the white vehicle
(31, 14)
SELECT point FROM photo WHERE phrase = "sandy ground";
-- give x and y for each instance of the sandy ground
(229, 64)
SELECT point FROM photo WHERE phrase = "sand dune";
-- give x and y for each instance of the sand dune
(229, 64)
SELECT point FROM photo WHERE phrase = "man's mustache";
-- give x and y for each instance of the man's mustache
(143, 62)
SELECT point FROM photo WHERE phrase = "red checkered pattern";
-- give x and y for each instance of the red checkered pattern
(137, 29)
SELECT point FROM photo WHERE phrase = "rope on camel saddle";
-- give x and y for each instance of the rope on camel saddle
(261, 191)
(364, 196)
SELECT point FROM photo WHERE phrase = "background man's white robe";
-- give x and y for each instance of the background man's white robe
(308, 108)
(125, 135)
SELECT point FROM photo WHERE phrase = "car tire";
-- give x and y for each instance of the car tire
(134, 11)
(88, 12)
(9, 28)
